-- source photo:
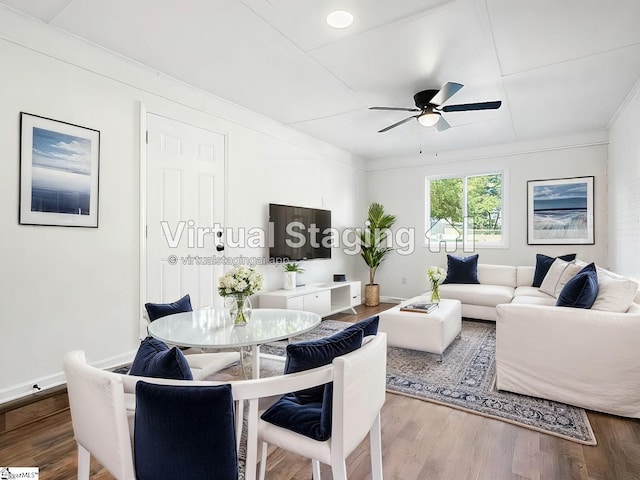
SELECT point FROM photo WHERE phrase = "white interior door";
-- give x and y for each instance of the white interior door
(185, 206)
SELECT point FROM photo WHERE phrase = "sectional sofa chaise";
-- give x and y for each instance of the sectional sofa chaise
(588, 357)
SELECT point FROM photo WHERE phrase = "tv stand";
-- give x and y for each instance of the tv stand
(325, 298)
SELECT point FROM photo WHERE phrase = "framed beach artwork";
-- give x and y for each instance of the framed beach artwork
(59, 165)
(560, 211)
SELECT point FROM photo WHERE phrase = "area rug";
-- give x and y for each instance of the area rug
(465, 379)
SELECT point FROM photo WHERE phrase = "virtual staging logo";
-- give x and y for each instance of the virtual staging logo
(11, 473)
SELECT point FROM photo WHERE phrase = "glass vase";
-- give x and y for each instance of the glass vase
(239, 309)
(435, 293)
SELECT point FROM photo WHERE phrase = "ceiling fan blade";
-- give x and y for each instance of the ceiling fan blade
(448, 90)
(442, 125)
(401, 109)
(472, 106)
(398, 123)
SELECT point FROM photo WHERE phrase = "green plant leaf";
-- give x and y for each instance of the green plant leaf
(293, 267)
(373, 238)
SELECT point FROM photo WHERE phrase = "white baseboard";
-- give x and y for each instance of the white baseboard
(25, 389)
(116, 360)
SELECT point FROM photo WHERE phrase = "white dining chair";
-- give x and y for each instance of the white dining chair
(202, 364)
(359, 389)
(103, 410)
(103, 407)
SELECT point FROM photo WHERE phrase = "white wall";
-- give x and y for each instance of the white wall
(399, 184)
(264, 170)
(75, 288)
(624, 193)
(68, 288)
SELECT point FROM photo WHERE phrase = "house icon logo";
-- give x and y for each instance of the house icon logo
(19, 472)
(445, 236)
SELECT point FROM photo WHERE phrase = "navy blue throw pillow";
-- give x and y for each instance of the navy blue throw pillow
(184, 432)
(312, 420)
(369, 326)
(581, 291)
(462, 269)
(159, 310)
(317, 353)
(543, 264)
(155, 359)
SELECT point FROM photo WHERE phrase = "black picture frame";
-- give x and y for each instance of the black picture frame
(59, 173)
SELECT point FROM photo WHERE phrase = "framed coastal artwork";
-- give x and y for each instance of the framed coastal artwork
(59, 165)
(560, 211)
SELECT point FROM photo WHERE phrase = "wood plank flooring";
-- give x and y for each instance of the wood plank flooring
(420, 440)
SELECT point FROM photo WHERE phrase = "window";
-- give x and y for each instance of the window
(466, 210)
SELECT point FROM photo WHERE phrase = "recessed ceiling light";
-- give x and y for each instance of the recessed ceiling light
(340, 19)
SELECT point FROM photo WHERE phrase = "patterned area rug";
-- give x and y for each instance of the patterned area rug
(465, 379)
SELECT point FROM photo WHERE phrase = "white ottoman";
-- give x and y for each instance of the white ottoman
(429, 332)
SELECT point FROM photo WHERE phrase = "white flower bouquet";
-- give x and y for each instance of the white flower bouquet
(435, 274)
(240, 282)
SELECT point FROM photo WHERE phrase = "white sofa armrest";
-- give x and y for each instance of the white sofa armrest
(581, 357)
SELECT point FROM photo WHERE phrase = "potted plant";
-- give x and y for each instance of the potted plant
(290, 273)
(373, 247)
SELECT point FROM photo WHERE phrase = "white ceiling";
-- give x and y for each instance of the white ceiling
(559, 66)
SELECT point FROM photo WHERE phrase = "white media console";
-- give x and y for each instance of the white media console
(321, 298)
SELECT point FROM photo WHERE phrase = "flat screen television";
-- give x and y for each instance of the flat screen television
(298, 233)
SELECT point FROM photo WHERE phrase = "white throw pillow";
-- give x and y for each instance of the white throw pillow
(614, 294)
(552, 277)
(571, 271)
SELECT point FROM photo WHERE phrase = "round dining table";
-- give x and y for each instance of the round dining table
(213, 328)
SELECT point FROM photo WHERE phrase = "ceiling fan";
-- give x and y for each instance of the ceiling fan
(428, 103)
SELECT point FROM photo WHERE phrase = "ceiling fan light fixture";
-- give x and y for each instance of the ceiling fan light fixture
(340, 19)
(429, 119)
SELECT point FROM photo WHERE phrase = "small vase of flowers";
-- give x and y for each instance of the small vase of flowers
(435, 274)
(237, 285)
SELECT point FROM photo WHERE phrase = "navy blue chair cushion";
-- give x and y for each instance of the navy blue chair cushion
(581, 291)
(159, 310)
(308, 412)
(312, 420)
(462, 269)
(184, 432)
(155, 359)
(543, 264)
(316, 353)
(369, 326)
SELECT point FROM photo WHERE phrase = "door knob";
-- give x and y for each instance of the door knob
(219, 246)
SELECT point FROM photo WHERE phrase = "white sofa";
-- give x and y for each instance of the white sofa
(584, 357)
(587, 358)
(498, 284)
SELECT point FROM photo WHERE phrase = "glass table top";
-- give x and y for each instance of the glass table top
(213, 327)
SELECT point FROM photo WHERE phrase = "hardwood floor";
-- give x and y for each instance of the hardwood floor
(420, 440)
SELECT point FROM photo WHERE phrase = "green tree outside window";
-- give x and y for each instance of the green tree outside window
(448, 211)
